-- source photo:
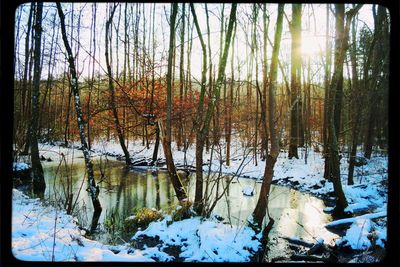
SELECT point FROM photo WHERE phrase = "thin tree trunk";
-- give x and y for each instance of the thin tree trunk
(328, 56)
(230, 105)
(93, 189)
(332, 158)
(264, 131)
(112, 94)
(262, 203)
(39, 184)
(204, 129)
(355, 106)
(166, 134)
(295, 81)
(181, 77)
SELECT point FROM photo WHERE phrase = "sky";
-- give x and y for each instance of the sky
(313, 35)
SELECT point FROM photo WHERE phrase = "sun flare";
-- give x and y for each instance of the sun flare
(312, 45)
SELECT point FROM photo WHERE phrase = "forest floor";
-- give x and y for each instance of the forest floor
(36, 235)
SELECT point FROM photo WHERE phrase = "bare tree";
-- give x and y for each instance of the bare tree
(93, 189)
(295, 80)
(166, 133)
(39, 185)
(262, 203)
(332, 160)
(204, 128)
(111, 90)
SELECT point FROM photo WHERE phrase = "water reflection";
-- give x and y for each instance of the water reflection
(295, 213)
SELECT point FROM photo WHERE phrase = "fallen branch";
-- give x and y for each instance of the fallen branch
(301, 257)
(298, 241)
(345, 222)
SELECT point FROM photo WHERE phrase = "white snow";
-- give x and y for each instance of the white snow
(33, 229)
(20, 166)
(357, 235)
(205, 240)
(248, 190)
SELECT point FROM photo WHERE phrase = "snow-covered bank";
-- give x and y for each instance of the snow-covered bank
(202, 240)
(38, 236)
(42, 233)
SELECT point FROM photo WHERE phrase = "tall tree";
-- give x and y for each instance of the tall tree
(328, 62)
(111, 90)
(230, 105)
(25, 88)
(355, 105)
(166, 133)
(378, 67)
(203, 129)
(295, 80)
(39, 185)
(262, 203)
(200, 140)
(93, 189)
(263, 100)
(332, 160)
(181, 76)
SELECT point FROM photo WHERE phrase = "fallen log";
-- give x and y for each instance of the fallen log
(317, 246)
(347, 221)
(302, 257)
(298, 241)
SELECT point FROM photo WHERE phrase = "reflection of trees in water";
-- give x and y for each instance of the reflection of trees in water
(121, 187)
(157, 184)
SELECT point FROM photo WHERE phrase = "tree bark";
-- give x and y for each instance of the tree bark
(332, 160)
(111, 90)
(355, 106)
(93, 189)
(39, 184)
(166, 134)
(262, 203)
(295, 80)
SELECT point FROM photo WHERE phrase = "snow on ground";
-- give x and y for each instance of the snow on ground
(20, 166)
(206, 240)
(38, 236)
(357, 235)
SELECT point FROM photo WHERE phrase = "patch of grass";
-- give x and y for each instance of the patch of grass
(141, 219)
(180, 211)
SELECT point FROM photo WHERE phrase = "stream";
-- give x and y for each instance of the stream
(122, 189)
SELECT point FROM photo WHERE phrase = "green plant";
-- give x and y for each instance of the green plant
(112, 221)
(141, 220)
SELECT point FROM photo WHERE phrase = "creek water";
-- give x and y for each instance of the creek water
(122, 190)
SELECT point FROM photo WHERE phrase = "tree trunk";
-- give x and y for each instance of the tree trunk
(295, 30)
(25, 88)
(93, 189)
(215, 94)
(355, 106)
(264, 130)
(376, 62)
(200, 139)
(39, 184)
(328, 56)
(262, 203)
(181, 78)
(166, 134)
(230, 105)
(111, 90)
(332, 159)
